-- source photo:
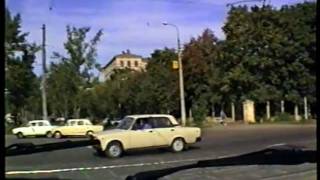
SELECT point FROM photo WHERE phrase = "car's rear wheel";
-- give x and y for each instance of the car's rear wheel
(49, 134)
(177, 145)
(20, 135)
(114, 150)
(57, 135)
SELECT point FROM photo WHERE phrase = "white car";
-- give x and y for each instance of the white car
(34, 128)
(145, 131)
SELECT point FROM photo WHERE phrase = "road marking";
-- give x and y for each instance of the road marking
(124, 165)
(99, 167)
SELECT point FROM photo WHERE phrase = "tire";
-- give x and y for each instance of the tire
(20, 135)
(114, 150)
(49, 134)
(100, 153)
(89, 133)
(57, 135)
(178, 145)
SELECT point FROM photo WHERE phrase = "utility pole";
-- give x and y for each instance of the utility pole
(44, 68)
(181, 84)
(305, 108)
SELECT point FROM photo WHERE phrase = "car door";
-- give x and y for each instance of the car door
(141, 138)
(81, 128)
(29, 130)
(38, 128)
(70, 129)
(164, 130)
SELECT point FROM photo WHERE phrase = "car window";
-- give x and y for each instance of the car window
(33, 124)
(80, 123)
(73, 123)
(40, 124)
(143, 123)
(161, 122)
(125, 123)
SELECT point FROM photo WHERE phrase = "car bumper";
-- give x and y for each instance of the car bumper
(198, 139)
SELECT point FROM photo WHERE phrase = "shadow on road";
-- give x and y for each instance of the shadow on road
(50, 178)
(282, 155)
(143, 152)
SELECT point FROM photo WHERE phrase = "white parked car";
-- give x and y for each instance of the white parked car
(34, 128)
(145, 131)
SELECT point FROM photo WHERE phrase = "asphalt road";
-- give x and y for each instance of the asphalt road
(82, 163)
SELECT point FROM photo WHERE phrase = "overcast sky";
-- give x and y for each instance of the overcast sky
(126, 24)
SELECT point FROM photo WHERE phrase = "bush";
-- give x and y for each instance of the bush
(199, 114)
(283, 117)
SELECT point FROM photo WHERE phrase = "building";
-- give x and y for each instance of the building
(122, 61)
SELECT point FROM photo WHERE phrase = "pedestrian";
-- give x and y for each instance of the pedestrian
(222, 117)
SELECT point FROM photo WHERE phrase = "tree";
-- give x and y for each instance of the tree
(71, 77)
(21, 81)
(201, 74)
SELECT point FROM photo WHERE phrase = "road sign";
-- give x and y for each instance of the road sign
(175, 64)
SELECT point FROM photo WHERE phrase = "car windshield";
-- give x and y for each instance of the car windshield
(125, 123)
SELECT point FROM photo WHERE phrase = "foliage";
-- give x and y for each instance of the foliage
(21, 81)
(70, 78)
(268, 55)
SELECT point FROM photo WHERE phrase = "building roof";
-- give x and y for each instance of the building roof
(124, 54)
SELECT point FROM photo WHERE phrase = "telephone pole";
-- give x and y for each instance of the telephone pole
(44, 68)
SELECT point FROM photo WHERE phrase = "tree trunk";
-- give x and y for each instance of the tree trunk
(213, 112)
(305, 108)
(282, 106)
(296, 112)
(233, 112)
(190, 115)
(268, 109)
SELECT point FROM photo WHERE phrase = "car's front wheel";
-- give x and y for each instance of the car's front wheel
(177, 145)
(114, 150)
(57, 135)
(49, 134)
(20, 135)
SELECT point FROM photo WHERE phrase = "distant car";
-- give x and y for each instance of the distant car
(76, 127)
(163, 131)
(115, 122)
(34, 128)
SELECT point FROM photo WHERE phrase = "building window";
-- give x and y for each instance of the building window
(121, 63)
(129, 63)
(136, 63)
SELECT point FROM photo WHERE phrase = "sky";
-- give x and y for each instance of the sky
(127, 24)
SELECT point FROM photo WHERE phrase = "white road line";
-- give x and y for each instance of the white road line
(99, 167)
(124, 165)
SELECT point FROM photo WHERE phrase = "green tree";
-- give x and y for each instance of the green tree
(70, 78)
(21, 81)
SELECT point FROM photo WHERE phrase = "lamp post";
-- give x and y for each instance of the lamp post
(182, 101)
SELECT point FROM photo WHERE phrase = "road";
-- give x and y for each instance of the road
(219, 141)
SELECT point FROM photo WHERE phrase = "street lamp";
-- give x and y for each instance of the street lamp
(182, 101)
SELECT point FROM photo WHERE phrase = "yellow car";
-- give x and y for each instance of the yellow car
(76, 127)
(145, 131)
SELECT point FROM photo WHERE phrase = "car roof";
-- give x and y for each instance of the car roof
(34, 121)
(78, 120)
(149, 115)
